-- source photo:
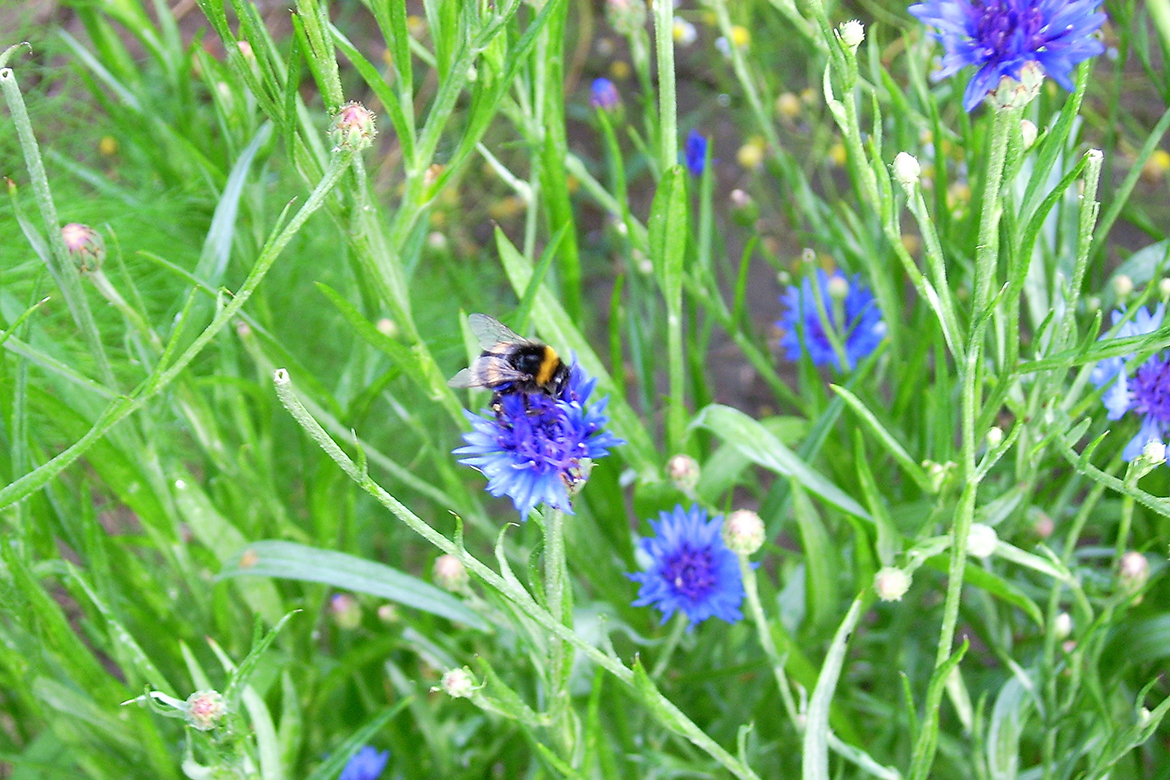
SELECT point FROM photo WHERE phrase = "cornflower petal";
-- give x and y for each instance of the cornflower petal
(366, 764)
(690, 569)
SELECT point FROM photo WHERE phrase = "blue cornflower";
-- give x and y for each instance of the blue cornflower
(366, 764)
(531, 449)
(691, 569)
(695, 152)
(805, 330)
(603, 94)
(1001, 36)
(1147, 392)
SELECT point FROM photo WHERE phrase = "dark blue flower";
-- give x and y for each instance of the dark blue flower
(695, 152)
(805, 330)
(604, 95)
(691, 570)
(531, 450)
(366, 764)
(1000, 36)
(1147, 392)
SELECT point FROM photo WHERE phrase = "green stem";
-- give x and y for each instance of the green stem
(663, 660)
(559, 597)
(60, 263)
(667, 108)
(756, 610)
(986, 256)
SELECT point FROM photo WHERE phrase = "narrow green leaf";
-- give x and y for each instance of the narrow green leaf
(764, 449)
(891, 445)
(288, 560)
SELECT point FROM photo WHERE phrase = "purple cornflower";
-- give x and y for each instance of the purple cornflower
(691, 570)
(1001, 36)
(366, 764)
(805, 330)
(531, 449)
(695, 152)
(604, 95)
(1146, 392)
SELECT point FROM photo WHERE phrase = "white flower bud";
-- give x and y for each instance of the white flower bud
(1134, 570)
(684, 472)
(1028, 133)
(1122, 285)
(205, 709)
(450, 574)
(982, 540)
(1164, 288)
(852, 33)
(907, 170)
(994, 437)
(743, 532)
(891, 583)
(458, 683)
(838, 287)
(1062, 626)
(387, 327)
(1154, 451)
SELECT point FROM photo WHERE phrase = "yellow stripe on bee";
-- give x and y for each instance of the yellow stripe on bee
(547, 366)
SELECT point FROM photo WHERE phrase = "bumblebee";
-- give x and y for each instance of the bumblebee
(510, 363)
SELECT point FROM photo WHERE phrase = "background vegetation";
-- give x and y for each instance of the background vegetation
(152, 472)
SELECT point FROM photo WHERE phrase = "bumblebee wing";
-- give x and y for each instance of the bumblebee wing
(463, 379)
(487, 371)
(492, 333)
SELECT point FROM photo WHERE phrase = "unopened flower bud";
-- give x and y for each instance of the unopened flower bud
(1164, 287)
(603, 95)
(353, 127)
(388, 613)
(743, 208)
(852, 33)
(626, 16)
(85, 246)
(891, 583)
(458, 683)
(1016, 94)
(1133, 570)
(1122, 285)
(838, 287)
(981, 540)
(994, 437)
(684, 472)
(450, 574)
(1154, 451)
(907, 170)
(1062, 626)
(1044, 526)
(347, 613)
(1028, 133)
(205, 709)
(743, 532)
(387, 327)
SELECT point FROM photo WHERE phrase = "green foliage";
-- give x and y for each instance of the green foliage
(244, 412)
